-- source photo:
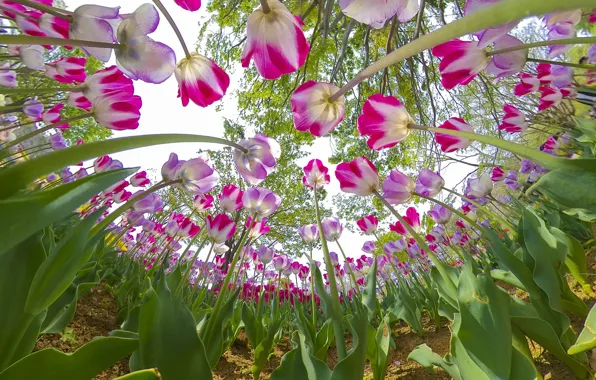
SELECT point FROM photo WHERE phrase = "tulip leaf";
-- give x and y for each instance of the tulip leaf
(265, 348)
(425, 356)
(369, 296)
(324, 340)
(146, 374)
(377, 350)
(252, 328)
(587, 338)
(84, 363)
(297, 364)
(23, 215)
(575, 260)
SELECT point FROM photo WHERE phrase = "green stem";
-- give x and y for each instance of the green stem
(31, 91)
(44, 129)
(120, 210)
(544, 159)
(501, 13)
(168, 17)
(191, 263)
(558, 63)
(34, 40)
(438, 263)
(312, 290)
(265, 6)
(44, 8)
(336, 314)
(353, 277)
(564, 41)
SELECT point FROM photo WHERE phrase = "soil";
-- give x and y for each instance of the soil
(96, 316)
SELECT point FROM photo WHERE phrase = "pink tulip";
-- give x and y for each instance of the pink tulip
(558, 76)
(52, 116)
(514, 120)
(487, 36)
(462, 61)
(230, 199)
(105, 163)
(121, 196)
(507, 64)
(220, 228)
(140, 179)
(187, 228)
(78, 100)
(189, 5)
(118, 111)
(259, 160)
(200, 80)
(528, 84)
(8, 6)
(376, 12)
(198, 175)
(275, 41)
(260, 202)
(53, 26)
(385, 120)
(257, 229)
(398, 188)
(549, 97)
(202, 202)
(412, 218)
(498, 174)
(452, 143)
(106, 82)
(70, 69)
(316, 175)
(358, 176)
(312, 109)
(429, 183)
(368, 224)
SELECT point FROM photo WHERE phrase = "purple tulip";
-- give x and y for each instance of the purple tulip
(332, 228)
(369, 247)
(479, 187)
(260, 202)
(398, 188)
(259, 160)
(57, 141)
(526, 166)
(265, 254)
(149, 204)
(440, 214)
(170, 168)
(414, 251)
(66, 175)
(309, 233)
(429, 183)
(33, 108)
(281, 263)
(334, 258)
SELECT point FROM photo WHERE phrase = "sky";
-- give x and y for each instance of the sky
(162, 112)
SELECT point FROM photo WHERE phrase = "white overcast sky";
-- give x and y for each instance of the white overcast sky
(162, 112)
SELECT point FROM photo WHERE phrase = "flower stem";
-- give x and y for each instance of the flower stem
(557, 63)
(438, 263)
(35, 40)
(503, 12)
(537, 156)
(168, 17)
(349, 267)
(565, 41)
(265, 6)
(336, 315)
(44, 8)
(44, 129)
(27, 91)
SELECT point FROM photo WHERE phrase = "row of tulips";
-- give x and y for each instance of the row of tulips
(182, 303)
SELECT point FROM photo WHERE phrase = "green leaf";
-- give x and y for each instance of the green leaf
(425, 356)
(324, 340)
(575, 260)
(380, 354)
(147, 374)
(29, 339)
(587, 338)
(17, 271)
(18, 177)
(252, 328)
(84, 363)
(369, 296)
(168, 338)
(265, 348)
(64, 308)
(299, 365)
(23, 215)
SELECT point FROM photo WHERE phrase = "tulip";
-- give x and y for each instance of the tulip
(259, 160)
(462, 61)
(332, 228)
(8, 6)
(528, 84)
(260, 202)
(295, 267)
(551, 144)
(140, 179)
(281, 263)
(33, 108)
(452, 143)
(313, 110)
(375, 13)
(94, 23)
(526, 166)
(170, 168)
(8, 78)
(479, 187)
(121, 196)
(393, 247)
(57, 141)
(368, 224)
(572, 17)
(436, 233)
(369, 247)
(220, 228)
(67, 70)
(52, 116)
(149, 204)
(398, 188)
(77, 100)
(385, 120)
(141, 57)
(257, 229)
(198, 176)
(487, 36)
(187, 228)
(549, 97)
(200, 80)
(230, 199)
(440, 214)
(32, 57)
(316, 175)
(514, 120)
(309, 233)
(358, 176)
(66, 175)
(53, 26)
(557, 32)
(82, 173)
(189, 5)
(105, 163)
(265, 254)
(118, 111)
(105, 82)
(275, 41)
(202, 202)
(507, 64)
(558, 76)
(334, 258)
(414, 251)
(429, 183)
(412, 218)
(220, 248)
(498, 174)
(511, 181)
